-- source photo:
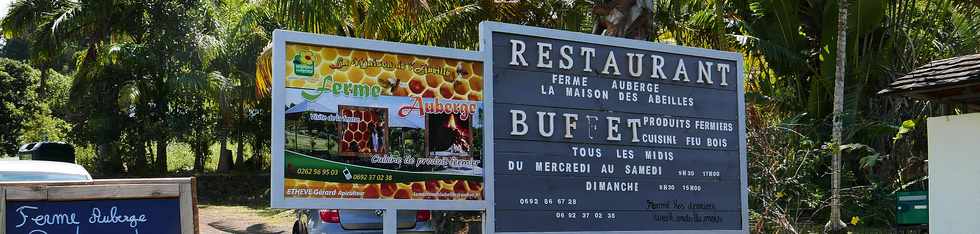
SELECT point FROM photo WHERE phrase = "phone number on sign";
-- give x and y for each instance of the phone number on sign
(317, 171)
(585, 215)
(371, 177)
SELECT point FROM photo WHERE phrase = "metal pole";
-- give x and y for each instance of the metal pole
(390, 221)
(3, 210)
(487, 225)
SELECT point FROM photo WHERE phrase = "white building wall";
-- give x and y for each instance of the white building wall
(954, 174)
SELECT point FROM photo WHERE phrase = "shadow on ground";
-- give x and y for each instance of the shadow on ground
(253, 229)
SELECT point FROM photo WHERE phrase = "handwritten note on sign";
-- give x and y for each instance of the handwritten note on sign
(136, 216)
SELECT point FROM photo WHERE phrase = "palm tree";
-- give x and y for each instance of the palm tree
(453, 24)
(245, 39)
(835, 224)
(53, 25)
(148, 49)
(31, 20)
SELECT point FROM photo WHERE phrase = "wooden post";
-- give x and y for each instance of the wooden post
(197, 227)
(186, 210)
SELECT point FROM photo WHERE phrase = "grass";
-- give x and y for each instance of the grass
(180, 157)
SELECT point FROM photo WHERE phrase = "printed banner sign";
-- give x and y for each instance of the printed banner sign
(136, 216)
(594, 134)
(378, 124)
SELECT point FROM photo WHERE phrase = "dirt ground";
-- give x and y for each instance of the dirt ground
(256, 220)
(242, 219)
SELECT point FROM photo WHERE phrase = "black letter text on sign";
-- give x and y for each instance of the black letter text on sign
(592, 134)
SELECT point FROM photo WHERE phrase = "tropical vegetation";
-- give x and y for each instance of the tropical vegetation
(131, 78)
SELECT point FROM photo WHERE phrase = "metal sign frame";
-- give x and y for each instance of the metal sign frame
(486, 39)
(279, 40)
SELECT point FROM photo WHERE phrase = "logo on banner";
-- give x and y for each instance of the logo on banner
(304, 63)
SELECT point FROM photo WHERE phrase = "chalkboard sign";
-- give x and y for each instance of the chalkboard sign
(107, 206)
(135, 216)
(593, 134)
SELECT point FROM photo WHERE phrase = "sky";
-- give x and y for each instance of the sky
(4, 4)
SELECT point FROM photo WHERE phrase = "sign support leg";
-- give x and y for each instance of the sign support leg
(3, 209)
(487, 221)
(390, 221)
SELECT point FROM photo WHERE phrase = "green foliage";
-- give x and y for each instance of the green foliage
(442, 23)
(25, 115)
(14, 48)
(180, 77)
(45, 126)
(906, 127)
(785, 167)
(789, 49)
(18, 82)
(143, 67)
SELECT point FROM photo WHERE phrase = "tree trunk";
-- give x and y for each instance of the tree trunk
(109, 156)
(257, 153)
(162, 156)
(625, 18)
(101, 152)
(160, 123)
(140, 155)
(42, 88)
(225, 159)
(240, 153)
(835, 225)
(200, 145)
(198, 161)
(199, 157)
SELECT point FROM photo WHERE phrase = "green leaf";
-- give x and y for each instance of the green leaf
(870, 161)
(855, 146)
(907, 126)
